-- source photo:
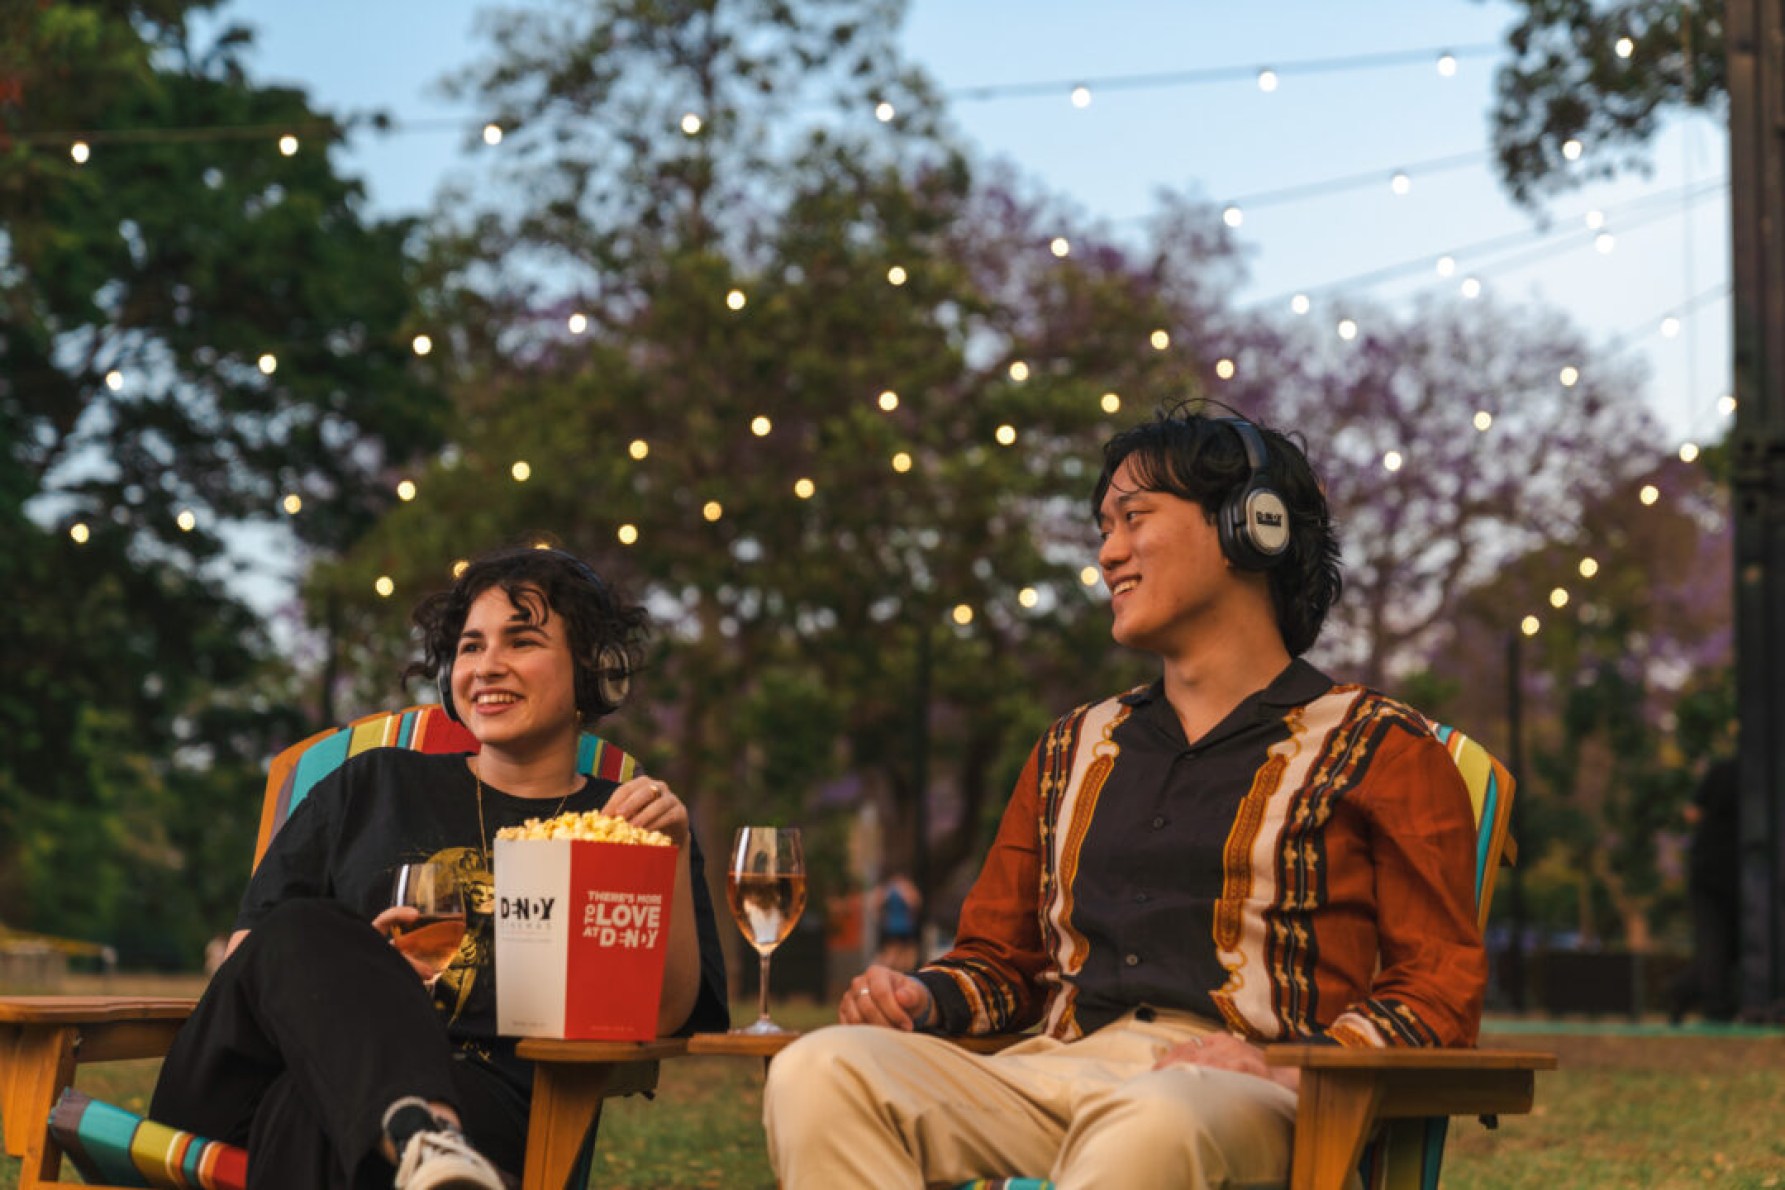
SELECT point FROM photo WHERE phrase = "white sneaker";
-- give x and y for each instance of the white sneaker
(445, 1160)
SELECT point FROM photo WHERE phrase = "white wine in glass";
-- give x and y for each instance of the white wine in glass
(430, 939)
(766, 887)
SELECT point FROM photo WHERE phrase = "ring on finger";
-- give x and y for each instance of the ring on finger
(861, 991)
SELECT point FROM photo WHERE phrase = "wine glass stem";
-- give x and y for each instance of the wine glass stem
(762, 991)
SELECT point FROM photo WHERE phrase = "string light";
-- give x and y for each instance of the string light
(406, 490)
(963, 614)
(1589, 567)
(492, 134)
(1400, 183)
(1089, 576)
(421, 344)
(1569, 376)
(187, 521)
(1347, 329)
(1670, 327)
(712, 510)
(690, 125)
(288, 145)
(1446, 266)
(1447, 65)
(1624, 47)
(901, 462)
(1233, 216)
(1688, 452)
(114, 380)
(760, 426)
(1160, 339)
(638, 448)
(81, 152)
(804, 488)
(1006, 435)
(1299, 304)
(460, 566)
(1572, 149)
(1529, 625)
(896, 275)
(1649, 494)
(1558, 598)
(577, 323)
(1028, 597)
(1060, 247)
(889, 400)
(384, 586)
(1470, 288)
(1604, 242)
(1019, 371)
(884, 112)
(628, 534)
(292, 504)
(1726, 405)
(736, 299)
(79, 533)
(1110, 402)
(522, 471)
(268, 364)
(1224, 369)
(1081, 97)
(1595, 220)
(1267, 80)
(1483, 420)
(1392, 461)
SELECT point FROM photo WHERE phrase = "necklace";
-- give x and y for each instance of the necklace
(483, 835)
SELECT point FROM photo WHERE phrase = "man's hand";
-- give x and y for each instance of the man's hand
(1223, 1051)
(882, 996)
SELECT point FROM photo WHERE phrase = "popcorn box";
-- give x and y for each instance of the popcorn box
(581, 933)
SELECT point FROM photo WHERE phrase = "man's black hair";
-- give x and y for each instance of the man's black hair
(1197, 457)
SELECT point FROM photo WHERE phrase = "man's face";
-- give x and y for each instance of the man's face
(1161, 559)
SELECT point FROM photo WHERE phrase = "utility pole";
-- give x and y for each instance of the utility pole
(1755, 30)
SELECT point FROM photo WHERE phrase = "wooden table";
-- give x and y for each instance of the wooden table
(571, 1078)
(1344, 1092)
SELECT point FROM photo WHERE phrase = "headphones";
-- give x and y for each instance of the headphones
(603, 679)
(1253, 522)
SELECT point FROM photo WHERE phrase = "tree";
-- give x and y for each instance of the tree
(1599, 75)
(915, 349)
(195, 324)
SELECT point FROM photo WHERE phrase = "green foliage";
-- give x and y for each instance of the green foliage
(1567, 82)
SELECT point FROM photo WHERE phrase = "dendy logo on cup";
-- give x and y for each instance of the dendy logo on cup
(525, 912)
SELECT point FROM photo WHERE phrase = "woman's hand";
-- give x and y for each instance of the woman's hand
(882, 996)
(398, 915)
(649, 802)
(1223, 1051)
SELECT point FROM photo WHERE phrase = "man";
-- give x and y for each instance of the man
(1238, 854)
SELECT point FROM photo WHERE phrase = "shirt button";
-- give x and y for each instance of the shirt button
(1158, 821)
(1133, 960)
(1141, 898)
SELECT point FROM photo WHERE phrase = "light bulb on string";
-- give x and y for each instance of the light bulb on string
(421, 344)
(1267, 80)
(1233, 216)
(1726, 405)
(1160, 339)
(1447, 65)
(1649, 494)
(522, 471)
(268, 364)
(460, 566)
(1604, 242)
(1299, 304)
(292, 504)
(1589, 567)
(1569, 376)
(384, 586)
(1483, 420)
(1089, 576)
(1470, 288)
(804, 488)
(1028, 597)
(1558, 598)
(406, 490)
(896, 275)
(1446, 266)
(690, 125)
(1572, 149)
(1019, 371)
(1392, 461)
(889, 400)
(114, 380)
(288, 145)
(1530, 625)
(1081, 97)
(81, 152)
(712, 510)
(1347, 329)
(736, 300)
(760, 426)
(577, 323)
(884, 112)
(1624, 47)
(1670, 327)
(638, 448)
(1006, 435)
(1224, 369)
(79, 533)
(628, 534)
(1688, 452)
(1110, 402)
(1060, 247)
(1400, 183)
(963, 614)
(492, 134)
(901, 462)
(187, 520)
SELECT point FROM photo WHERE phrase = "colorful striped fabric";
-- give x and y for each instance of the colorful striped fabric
(113, 1147)
(295, 771)
(1406, 1154)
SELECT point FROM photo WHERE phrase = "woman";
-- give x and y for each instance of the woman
(317, 1045)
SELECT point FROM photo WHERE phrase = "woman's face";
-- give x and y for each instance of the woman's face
(513, 676)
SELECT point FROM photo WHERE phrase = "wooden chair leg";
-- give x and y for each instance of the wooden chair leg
(1336, 1110)
(37, 1064)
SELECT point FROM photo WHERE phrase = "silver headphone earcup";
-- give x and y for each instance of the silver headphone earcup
(613, 676)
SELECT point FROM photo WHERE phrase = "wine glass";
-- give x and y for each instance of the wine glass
(431, 938)
(766, 886)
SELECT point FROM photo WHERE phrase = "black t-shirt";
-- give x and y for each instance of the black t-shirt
(391, 806)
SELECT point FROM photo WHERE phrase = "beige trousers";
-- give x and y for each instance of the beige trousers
(861, 1106)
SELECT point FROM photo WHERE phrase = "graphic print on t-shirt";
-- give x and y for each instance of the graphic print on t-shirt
(477, 952)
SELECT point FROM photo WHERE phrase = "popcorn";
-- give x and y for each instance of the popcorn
(590, 826)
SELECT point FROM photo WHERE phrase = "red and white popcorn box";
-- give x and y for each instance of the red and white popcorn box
(581, 933)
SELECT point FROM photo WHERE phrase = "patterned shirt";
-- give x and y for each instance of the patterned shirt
(1304, 871)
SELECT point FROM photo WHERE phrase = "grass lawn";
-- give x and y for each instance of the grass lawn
(1663, 1109)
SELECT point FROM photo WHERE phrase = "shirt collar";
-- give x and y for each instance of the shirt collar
(1298, 684)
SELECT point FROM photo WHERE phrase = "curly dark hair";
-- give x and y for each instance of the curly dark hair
(1200, 458)
(607, 632)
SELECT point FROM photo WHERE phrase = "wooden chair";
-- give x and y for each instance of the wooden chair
(43, 1039)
